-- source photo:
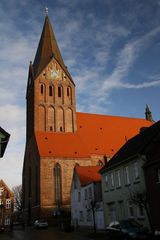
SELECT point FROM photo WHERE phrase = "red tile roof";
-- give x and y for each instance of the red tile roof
(96, 134)
(88, 174)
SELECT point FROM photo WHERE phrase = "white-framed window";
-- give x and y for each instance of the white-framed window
(112, 180)
(126, 175)
(7, 221)
(1, 191)
(106, 182)
(136, 170)
(118, 178)
(8, 203)
(130, 210)
(158, 175)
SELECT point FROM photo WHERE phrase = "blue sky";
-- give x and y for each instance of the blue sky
(111, 48)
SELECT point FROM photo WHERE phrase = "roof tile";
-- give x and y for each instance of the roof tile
(89, 139)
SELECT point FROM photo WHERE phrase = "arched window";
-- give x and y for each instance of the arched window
(68, 92)
(59, 92)
(57, 184)
(50, 91)
(41, 88)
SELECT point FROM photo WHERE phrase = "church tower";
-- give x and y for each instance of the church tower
(51, 104)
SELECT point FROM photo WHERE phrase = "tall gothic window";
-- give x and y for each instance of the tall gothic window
(68, 91)
(57, 184)
(59, 92)
(50, 91)
(41, 88)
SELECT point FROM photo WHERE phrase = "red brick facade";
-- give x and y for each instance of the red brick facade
(6, 204)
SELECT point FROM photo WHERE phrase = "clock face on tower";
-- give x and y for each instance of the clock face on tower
(54, 74)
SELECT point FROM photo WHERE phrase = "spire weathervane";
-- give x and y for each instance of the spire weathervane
(46, 10)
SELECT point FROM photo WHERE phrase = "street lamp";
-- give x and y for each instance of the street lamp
(4, 138)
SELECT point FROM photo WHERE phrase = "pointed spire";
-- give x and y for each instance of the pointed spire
(47, 49)
(148, 114)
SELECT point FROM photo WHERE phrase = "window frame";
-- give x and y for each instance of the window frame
(8, 203)
(50, 91)
(112, 180)
(59, 91)
(126, 175)
(106, 178)
(118, 178)
(42, 89)
(136, 170)
(130, 210)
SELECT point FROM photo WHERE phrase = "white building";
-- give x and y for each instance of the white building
(123, 179)
(86, 197)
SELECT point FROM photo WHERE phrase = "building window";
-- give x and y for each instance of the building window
(130, 210)
(118, 178)
(106, 182)
(41, 88)
(68, 91)
(158, 175)
(59, 92)
(112, 180)
(81, 217)
(90, 192)
(50, 91)
(51, 128)
(140, 212)
(121, 209)
(8, 203)
(136, 172)
(7, 221)
(79, 196)
(61, 129)
(89, 215)
(85, 194)
(1, 191)
(57, 184)
(112, 211)
(126, 175)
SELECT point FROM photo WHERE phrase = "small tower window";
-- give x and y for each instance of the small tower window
(50, 91)
(68, 91)
(59, 92)
(41, 88)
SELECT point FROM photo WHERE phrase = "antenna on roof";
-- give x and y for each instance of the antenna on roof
(46, 10)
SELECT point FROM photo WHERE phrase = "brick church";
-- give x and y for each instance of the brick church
(57, 136)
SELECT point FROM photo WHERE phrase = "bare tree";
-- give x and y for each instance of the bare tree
(17, 190)
(141, 199)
